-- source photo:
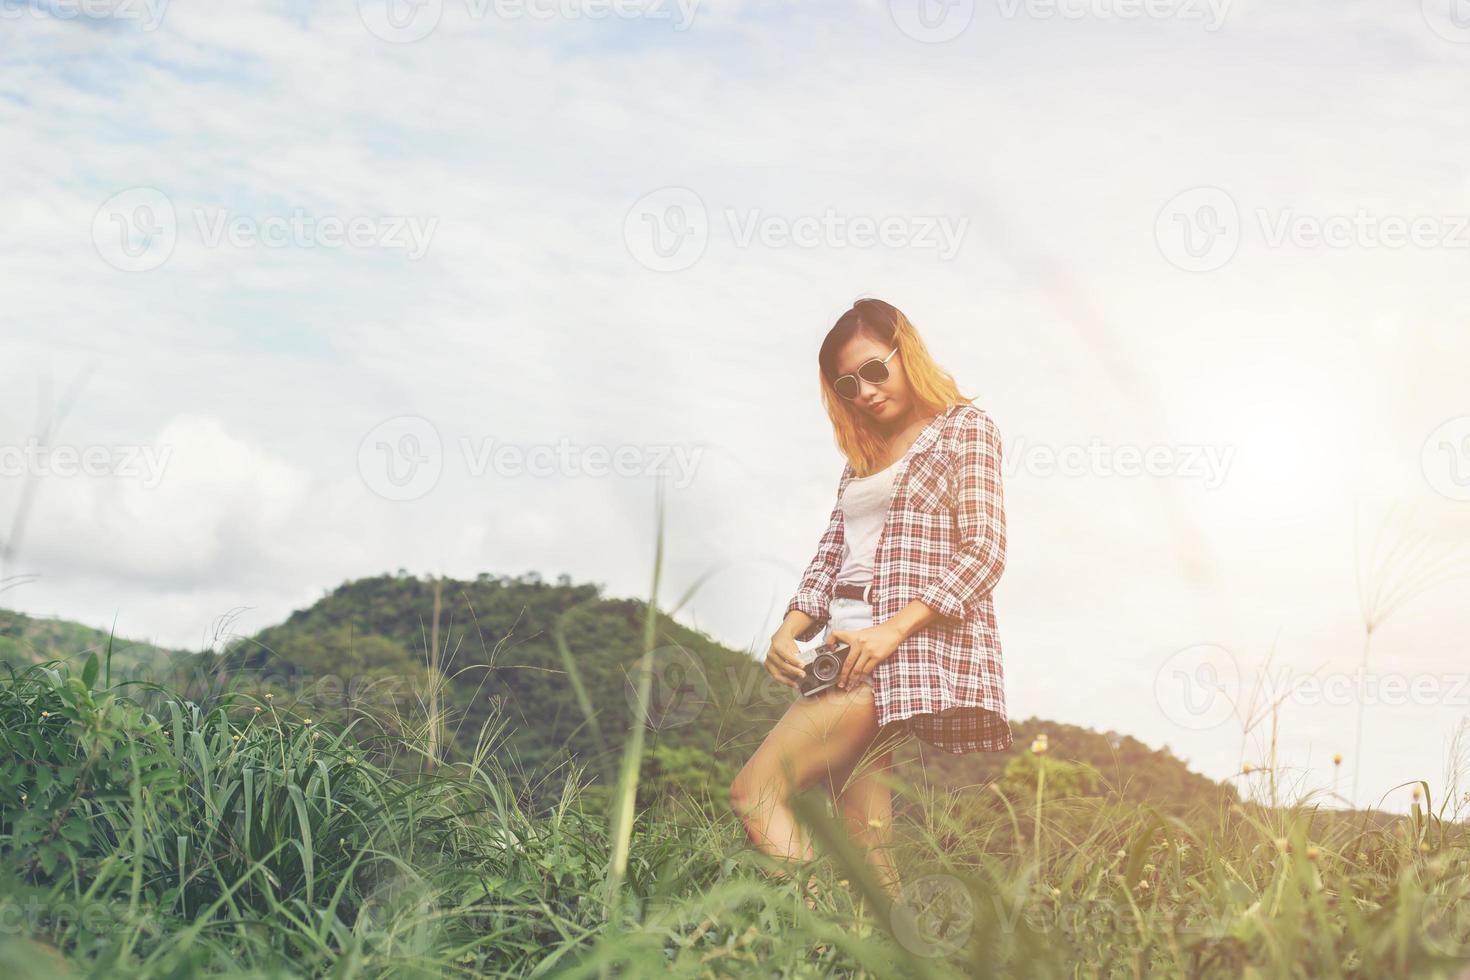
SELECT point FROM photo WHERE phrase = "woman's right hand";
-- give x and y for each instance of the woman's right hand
(783, 660)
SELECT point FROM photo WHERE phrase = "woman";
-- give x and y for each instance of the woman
(903, 574)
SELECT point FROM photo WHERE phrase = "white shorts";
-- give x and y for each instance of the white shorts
(848, 614)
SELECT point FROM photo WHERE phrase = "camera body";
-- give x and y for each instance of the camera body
(823, 669)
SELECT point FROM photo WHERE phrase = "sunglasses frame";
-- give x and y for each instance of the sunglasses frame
(858, 375)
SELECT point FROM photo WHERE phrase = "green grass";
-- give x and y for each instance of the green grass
(142, 835)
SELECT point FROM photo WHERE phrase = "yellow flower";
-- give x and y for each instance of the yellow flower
(1424, 846)
(1313, 852)
(257, 709)
(1414, 795)
(1245, 768)
(875, 823)
(45, 714)
(269, 696)
(234, 738)
(1337, 758)
(1038, 745)
(306, 722)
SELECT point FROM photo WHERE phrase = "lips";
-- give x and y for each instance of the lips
(878, 406)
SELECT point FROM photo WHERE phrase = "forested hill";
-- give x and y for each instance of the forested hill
(362, 652)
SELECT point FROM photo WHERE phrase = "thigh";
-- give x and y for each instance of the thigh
(816, 738)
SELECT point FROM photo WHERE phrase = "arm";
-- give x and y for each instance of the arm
(979, 560)
(814, 595)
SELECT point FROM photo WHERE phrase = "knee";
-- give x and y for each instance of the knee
(749, 794)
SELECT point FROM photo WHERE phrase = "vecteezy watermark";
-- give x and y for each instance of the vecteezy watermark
(669, 229)
(1200, 686)
(1200, 230)
(1207, 463)
(136, 230)
(1444, 918)
(1212, 14)
(146, 464)
(933, 915)
(406, 21)
(1445, 459)
(147, 13)
(932, 21)
(678, 690)
(403, 458)
(1450, 19)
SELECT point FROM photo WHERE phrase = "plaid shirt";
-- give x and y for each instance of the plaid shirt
(942, 542)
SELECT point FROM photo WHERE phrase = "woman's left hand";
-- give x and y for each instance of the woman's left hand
(870, 646)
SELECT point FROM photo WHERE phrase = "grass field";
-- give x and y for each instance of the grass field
(141, 836)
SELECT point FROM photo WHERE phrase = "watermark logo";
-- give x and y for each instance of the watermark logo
(667, 230)
(401, 459)
(932, 21)
(933, 915)
(147, 13)
(1209, 464)
(1450, 19)
(1198, 687)
(1199, 229)
(400, 21)
(1445, 459)
(136, 230)
(1444, 919)
(33, 458)
(1211, 13)
(407, 21)
(679, 689)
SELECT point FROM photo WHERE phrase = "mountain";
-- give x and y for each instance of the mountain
(557, 666)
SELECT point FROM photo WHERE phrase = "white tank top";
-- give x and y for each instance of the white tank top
(864, 508)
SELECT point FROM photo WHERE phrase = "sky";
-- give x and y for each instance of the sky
(298, 293)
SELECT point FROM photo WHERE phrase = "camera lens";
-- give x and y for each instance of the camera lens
(825, 666)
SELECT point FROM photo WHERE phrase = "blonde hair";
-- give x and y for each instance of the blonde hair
(933, 387)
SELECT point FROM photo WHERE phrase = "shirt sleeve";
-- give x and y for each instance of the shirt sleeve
(979, 504)
(814, 594)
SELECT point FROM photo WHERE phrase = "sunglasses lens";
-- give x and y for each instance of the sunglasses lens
(847, 386)
(874, 372)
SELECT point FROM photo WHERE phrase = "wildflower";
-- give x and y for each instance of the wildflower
(1283, 845)
(1143, 884)
(1424, 847)
(1056, 892)
(269, 696)
(257, 709)
(1337, 758)
(341, 841)
(1149, 868)
(234, 738)
(24, 797)
(306, 722)
(1038, 745)
(1313, 852)
(45, 714)
(1414, 795)
(875, 823)
(1120, 854)
(351, 761)
(842, 882)
(1362, 855)
(1245, 768)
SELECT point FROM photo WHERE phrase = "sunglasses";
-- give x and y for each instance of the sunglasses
(874, 371)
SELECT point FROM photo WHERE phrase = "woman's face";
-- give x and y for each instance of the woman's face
(885, 404)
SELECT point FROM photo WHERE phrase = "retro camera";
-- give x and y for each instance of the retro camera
(823, 669)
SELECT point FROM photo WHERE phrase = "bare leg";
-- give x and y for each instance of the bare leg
(866, 804)
(819, 738)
